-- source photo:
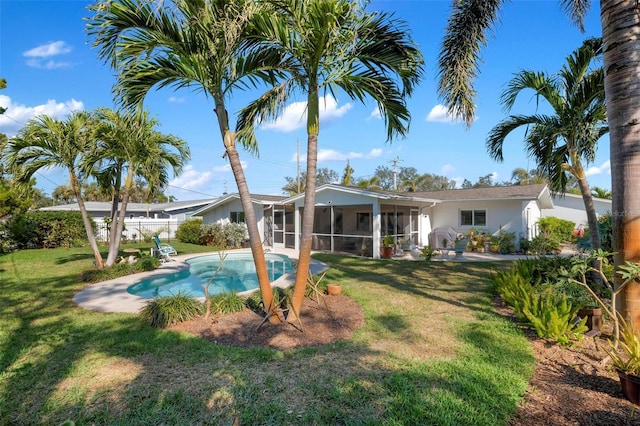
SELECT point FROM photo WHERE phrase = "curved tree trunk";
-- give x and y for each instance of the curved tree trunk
(257, 250)
(87, 223)
(117, 225)
(620, 23)
(592, 218)
(304, 256)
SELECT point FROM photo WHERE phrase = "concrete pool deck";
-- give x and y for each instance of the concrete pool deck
(112, 295)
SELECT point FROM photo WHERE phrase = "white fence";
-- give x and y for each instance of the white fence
(135, 230)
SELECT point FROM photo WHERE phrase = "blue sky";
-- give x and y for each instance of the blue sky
(51, 68)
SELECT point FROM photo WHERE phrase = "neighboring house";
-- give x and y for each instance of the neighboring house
(571, 207)
(350, 219)
(141, 218)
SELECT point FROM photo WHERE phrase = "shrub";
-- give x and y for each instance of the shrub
(190, 231)
(606, 232)
(557, 229)
(280, 298)
(227, 303)
(169, 310)
(549, 312)
(145, 263)
(213, 235)
(235, 234)
(48, 229)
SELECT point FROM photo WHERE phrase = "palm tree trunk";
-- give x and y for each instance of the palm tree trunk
(117, 226)
(87, 223)
(592, 218)
(620, 21)
(304, 256)
(257, 250)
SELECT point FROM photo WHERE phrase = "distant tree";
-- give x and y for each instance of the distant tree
(324, 175)
(428, 182)
(598, 192)
(347, 175)
(371, 183)
(385, 177)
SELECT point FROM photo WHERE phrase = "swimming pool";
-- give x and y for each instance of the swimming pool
(238, 274)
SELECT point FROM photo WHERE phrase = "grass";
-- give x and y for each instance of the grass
(431, 351)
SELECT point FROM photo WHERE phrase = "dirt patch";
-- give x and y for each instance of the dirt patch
(321, 326)
(569, 385)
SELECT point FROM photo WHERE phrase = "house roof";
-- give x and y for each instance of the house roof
(255, 198)
(489, 193)
(373, 193)
(100, 206)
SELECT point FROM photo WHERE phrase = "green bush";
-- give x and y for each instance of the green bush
(190, 231)
(281, 298)
(170, 310)
(606, 232)
(549, 312)
(557, 229)
(145, 263)
(235, 234)
(213, 235)
(48, 229)
(227, 303)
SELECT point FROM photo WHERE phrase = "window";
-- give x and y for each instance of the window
(363, 222)
(236, 217)
(473, 217)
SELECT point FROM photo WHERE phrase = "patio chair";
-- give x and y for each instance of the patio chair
(164, 250)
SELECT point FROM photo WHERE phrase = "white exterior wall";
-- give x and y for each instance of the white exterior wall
(531, 213)
(571, 207)
(222, 214)
(505, 214)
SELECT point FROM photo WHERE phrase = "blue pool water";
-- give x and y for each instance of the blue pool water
(238, 274)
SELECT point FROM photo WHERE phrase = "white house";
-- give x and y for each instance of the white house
(571, 207)
(350, 219)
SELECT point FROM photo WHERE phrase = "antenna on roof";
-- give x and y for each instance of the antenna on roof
(395, 162)
(225, 188)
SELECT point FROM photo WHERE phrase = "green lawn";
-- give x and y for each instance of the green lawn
(432, 351)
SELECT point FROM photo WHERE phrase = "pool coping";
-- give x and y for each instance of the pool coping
(112, 295)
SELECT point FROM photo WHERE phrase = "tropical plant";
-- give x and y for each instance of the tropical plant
(599, 192)
(564, 141)
(324, 46)
(128, 146)
(169, 310)
(48, 142)
(190, 231)
(629, 360)
(458, 66)
(190, 43)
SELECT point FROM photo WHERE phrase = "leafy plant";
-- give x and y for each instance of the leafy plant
(388, 241)
(556, 228)
(427, 252)
(190, 231)
(629, 360)
(235, 234)
(227, 303)
(551, 315)
(169, 310)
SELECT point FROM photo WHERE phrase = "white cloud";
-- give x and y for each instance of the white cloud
(191, 179)
(174, 99)
(333, 155)
(37, 56)
(447, 168)
(17, 115)
(375, 114)
(604, 168)
(439, 114)
(294, 116)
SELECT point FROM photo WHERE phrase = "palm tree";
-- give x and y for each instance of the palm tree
(328, 45)
(599, 192)
(459, 64)
(190, 43)
(48, 142)
(560, 142)
(372, 183)
(128, 147)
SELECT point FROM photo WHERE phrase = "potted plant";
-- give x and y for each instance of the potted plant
(388, 243)
(626, 360)
(334, 289)
(427, 252)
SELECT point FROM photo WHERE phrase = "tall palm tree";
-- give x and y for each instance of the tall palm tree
(330, 45)
(188, 43)
(599, 192)
(48, 142)
(459, 62)
(562, 141)
(128, 146)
